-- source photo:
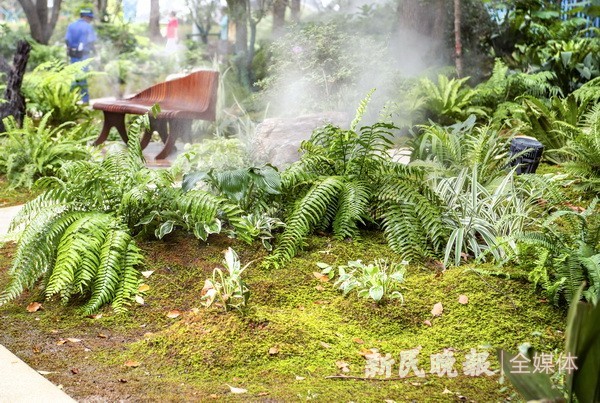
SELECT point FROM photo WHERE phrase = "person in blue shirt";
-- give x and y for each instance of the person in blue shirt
(80, 40)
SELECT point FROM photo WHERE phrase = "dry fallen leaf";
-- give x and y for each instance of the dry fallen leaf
(263, 394)
(342, 366)
(437, 309)
(173, 314)
(147, 273)
(139, 300)
(237, 390)
(73, 340)
(367, 351)
(300, 378)
(322, 277)
(325, 345)
(143, 287)
(95, 316)
(34, 307)
(61, 342)
(319, 288)
(358, 340)
(463, 299)
(102, 336)
(132, 364)
(273, 351)
(427, 322)
(446, 391)
(45, 372)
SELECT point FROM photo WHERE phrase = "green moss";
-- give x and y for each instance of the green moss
(310, 324)
(13, 197)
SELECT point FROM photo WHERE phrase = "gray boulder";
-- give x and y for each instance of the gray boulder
(277, 140)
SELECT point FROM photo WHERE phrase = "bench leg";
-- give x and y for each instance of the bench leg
(158, 125)
(176, 128)
(112, 119)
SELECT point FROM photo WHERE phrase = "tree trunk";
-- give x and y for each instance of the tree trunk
(295, 10)
(279, 8)
(41, 27)
(15, 102)
(154, 23)
(238, 13)
(457, 39)
(102, 6)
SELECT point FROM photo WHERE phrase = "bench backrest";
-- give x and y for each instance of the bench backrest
(195, 92)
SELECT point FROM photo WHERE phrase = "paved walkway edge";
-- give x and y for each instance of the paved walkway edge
(21, 383)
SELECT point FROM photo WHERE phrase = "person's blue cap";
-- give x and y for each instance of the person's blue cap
(86, 12)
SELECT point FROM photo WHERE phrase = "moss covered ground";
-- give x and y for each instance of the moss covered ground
(296, 332)
(12, 197)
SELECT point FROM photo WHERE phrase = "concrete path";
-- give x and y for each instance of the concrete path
(19, 382)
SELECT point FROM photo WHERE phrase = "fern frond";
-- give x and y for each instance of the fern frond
(352, 206)
(113, 253)
(305, 216)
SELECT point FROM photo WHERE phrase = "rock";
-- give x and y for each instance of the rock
(277, 140)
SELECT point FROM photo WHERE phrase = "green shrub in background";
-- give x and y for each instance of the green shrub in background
(320, 64)
(49, 89)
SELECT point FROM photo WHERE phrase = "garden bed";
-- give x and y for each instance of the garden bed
(296, 332)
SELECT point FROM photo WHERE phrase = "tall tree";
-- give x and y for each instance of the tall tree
(295, 10)
(202, 13)
(279, 8)
(457, 39)
(41, 18)
(154, 23)
(102, 7)
(246, 15)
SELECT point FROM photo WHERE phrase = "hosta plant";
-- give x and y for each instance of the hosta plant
(227, 288)
(378, 281)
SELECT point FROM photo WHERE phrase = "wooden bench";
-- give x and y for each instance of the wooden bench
(181, 101)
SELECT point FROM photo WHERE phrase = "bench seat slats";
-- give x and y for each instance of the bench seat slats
(187, 98)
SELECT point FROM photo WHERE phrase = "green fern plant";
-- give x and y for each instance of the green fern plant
(567, 244)
(554, 123)
(37, 149)
(584, 151)
(447, 101)
(75, 236)
(445, 151)
(346, 178)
